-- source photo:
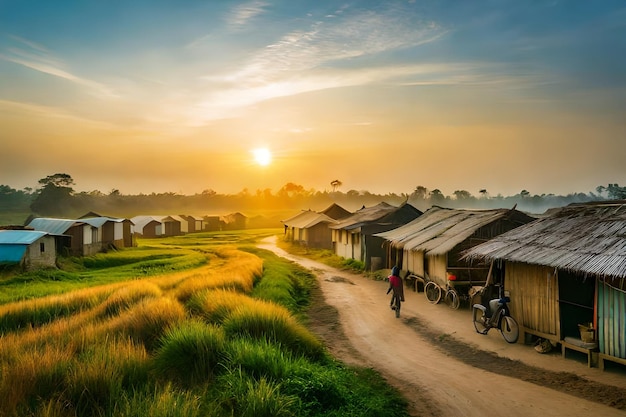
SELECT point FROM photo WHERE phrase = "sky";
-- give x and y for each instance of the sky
(159, 96)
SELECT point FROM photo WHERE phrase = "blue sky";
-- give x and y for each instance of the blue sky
(152, 96)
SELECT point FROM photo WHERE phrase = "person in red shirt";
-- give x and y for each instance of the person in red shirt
(395, 285)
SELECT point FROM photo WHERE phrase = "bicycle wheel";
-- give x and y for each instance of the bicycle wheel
(452, 299)
(433, 292)
(480, 319)
(509, 329)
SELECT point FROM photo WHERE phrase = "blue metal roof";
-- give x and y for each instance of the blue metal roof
(53, 226)
(19, 237)
(14, 243)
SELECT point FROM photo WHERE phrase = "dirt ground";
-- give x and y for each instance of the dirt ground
(441, 365)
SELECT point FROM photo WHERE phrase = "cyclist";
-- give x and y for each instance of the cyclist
(395, 285)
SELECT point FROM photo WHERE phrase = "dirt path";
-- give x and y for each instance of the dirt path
(445, 369)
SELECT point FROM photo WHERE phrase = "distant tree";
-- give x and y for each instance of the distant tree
(420, 193)
(524, 193)
(436, 196)
(483, 193)
(462, 195)
(615, 192)
(54, 198)
(336, 184)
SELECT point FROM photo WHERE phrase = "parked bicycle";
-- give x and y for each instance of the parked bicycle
(496, 314)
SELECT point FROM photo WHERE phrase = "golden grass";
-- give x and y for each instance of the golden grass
(239, 273)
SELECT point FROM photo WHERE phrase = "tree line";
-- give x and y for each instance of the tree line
(56, 197)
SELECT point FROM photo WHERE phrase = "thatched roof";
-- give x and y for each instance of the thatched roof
(439, 229)
(306, 219)
(365, 215)
(588, 238)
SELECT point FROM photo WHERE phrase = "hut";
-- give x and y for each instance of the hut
(309, 228)
(114, 232)
(430, 247)
(30, 249)
(146, 226)
(565, 273)
(69, 233)
(355, 236)
(234, 221)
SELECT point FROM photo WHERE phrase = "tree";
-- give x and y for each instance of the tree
(420, 193)
(55, 196)
(336, 184)
(436, 196)
(462, 195)
(483, 193)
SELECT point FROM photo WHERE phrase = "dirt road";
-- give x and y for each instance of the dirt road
(440, 365)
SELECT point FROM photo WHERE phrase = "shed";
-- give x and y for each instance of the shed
(565, 269)
(309, 228)
(355, 237)
(111, 233)
(147, 226)
(431, 245)
(29, 248)
(69, 233)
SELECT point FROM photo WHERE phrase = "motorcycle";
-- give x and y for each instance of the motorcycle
(496, 315)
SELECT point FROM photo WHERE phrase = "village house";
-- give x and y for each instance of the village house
(354, 237)
(429, 248)
(30, 249)
(311, 229)
(566, 277)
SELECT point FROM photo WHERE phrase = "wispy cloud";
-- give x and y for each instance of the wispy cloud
(242, 14)
(316, 59)
(36, 57)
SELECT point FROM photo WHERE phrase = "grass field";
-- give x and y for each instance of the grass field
(200, 325)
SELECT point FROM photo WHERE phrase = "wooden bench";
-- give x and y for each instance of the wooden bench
(590, 349)
(604, 357)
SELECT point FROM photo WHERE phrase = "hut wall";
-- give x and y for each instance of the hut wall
(611, 321)
(413, 261)
(438, 269)
(319, 236)
(534, 298)
(41, 253)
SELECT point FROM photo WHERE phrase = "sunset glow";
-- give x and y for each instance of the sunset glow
(384, 96)
(262, 156)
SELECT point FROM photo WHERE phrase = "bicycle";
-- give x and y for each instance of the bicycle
(396, 303)
(497, 315)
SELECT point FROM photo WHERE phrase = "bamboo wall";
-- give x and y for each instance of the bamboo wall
(534, 298)
(438, 269)
(414, 261)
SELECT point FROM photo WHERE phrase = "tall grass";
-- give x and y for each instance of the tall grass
(239, 273)
(147, 321)
(219, 339)
(190, 352)
(273, 323)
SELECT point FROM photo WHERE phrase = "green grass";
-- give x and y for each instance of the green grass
(180, 342)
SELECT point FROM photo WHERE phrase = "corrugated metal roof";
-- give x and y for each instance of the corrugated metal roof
(14, 243)
(308, 218)
(439, 230)
(20, 237)
(53, 226)
(587, 238)
(140, 222)
(99, 221)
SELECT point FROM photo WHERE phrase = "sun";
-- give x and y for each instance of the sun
(262, 156)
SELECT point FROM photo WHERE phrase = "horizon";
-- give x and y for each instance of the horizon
(256, 94)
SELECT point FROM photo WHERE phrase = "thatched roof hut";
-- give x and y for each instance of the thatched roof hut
(587, 238)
